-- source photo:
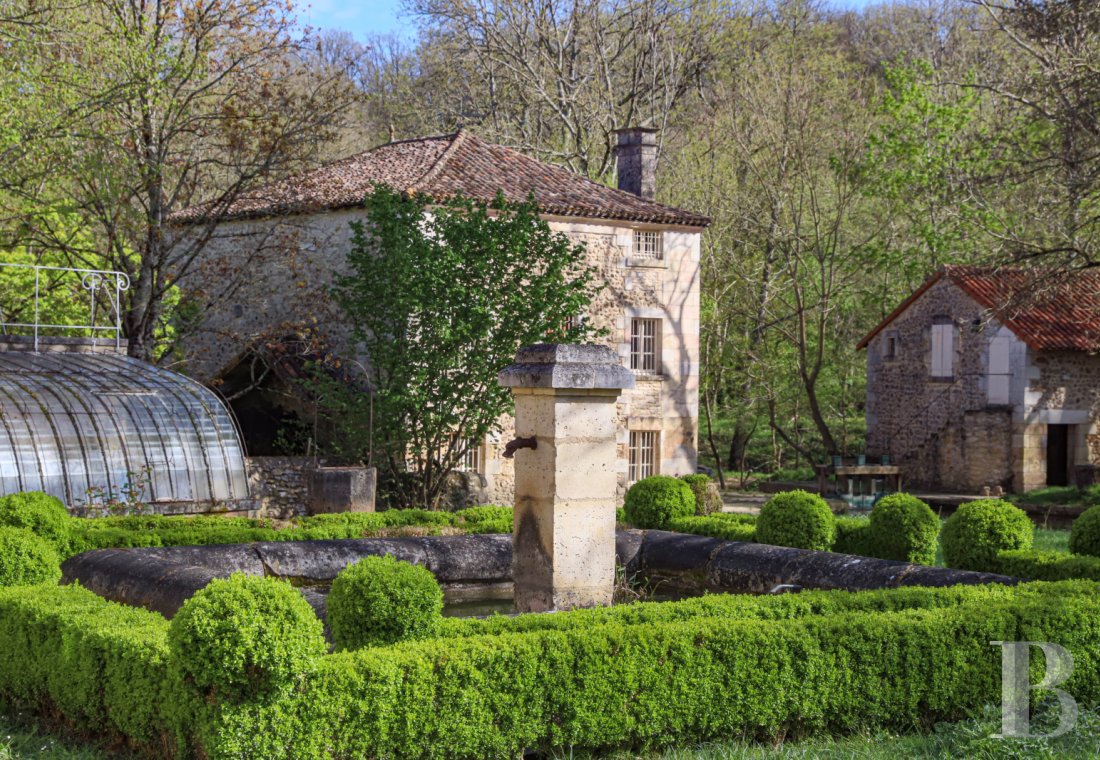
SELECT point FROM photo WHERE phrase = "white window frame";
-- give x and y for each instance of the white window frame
(943, 350)
(644, 453)
(645, 345)
(647, 246)
(472, 459)
(999, 370)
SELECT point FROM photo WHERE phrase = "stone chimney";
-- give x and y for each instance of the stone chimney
(636, 159)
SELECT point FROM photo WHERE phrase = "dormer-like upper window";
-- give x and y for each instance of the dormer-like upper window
(648, 245)
(943, 349)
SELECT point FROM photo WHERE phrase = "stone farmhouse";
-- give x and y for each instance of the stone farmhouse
(987, 377)
(292, 235)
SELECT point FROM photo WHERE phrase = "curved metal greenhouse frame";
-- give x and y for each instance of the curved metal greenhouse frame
(77, 424)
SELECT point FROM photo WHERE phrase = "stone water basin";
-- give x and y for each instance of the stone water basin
(476, 571)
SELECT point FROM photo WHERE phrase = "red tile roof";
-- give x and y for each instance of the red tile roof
(442, 167)
(1048, 311)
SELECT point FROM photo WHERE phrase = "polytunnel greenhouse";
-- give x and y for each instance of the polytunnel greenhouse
(87, 426)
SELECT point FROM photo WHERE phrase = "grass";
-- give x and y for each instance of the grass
(1059, 496)
(969, 739)
(21, 739)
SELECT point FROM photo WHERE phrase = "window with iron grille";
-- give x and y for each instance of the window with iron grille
(643, 454)
(573, 323)
(471, 458)
(644, 339)
(648, 245)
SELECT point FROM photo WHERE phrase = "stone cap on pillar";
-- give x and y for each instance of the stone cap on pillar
(567, 365)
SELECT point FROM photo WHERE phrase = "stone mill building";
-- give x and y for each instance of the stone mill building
(292, 235)
(987, 377)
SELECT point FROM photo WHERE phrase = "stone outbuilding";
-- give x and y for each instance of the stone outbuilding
(987, 377)
(292, 236)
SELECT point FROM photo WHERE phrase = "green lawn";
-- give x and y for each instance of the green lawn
(968, 739)
(20, 739)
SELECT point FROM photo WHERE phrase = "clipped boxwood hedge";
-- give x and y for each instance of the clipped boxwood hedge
(731, 527)
(615, 684)
(1045, 566)
(379, 600)
(1084, 535)
(636, 675)
(244, 637)
(27, 559)
(654, 501)
(797, 519)
(853, 536)
(37, 512)
(160, 530)
(903, 528)
(979, 530)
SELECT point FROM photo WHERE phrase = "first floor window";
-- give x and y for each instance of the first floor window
(644, 338)
(648, 245)
(943, 349)
(471, 457)
(643, 454)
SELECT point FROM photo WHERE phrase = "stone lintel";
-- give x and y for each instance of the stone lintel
(567, 366)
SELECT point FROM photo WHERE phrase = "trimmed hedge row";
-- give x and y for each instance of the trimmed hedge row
(638, 675)
(159, 530)
(779, 607)
(621, 685)
(727, 526)
(1045, 566)
(103, 665)
(901, 527)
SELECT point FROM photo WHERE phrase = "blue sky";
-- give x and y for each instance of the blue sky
(367, 17)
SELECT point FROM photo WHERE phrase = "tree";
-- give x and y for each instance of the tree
(1049, 143)
(439, 298)
(126, 112)
(556, 78)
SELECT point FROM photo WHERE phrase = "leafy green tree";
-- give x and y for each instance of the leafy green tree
(439, 298)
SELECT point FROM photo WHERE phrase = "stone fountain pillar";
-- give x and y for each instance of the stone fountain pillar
(563, 531)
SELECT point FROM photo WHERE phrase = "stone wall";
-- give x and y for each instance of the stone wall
(947, 434)
(291, 262)
(1063, 389)
(942, 431)
(279, 485)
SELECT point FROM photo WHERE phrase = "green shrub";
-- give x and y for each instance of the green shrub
(708, 499)
(1046, 566)
(27, 559)
(797, 519)
(618, 685)
(380, 600)
(1091, 495)
(245, 636)
(717, 527)
(37, 512)
(486, 513)
(904, 528)
(1084, 535)
(978, 530)
(626, 676)
(853, 536)
(652, 502)
(102, 665)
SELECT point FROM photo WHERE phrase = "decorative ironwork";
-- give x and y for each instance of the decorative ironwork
(111, 283)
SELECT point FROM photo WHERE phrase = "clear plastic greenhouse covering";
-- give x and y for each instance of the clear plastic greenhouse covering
(77, 424)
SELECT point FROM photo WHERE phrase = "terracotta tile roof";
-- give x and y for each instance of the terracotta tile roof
(1046, 311)
(442, 167)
